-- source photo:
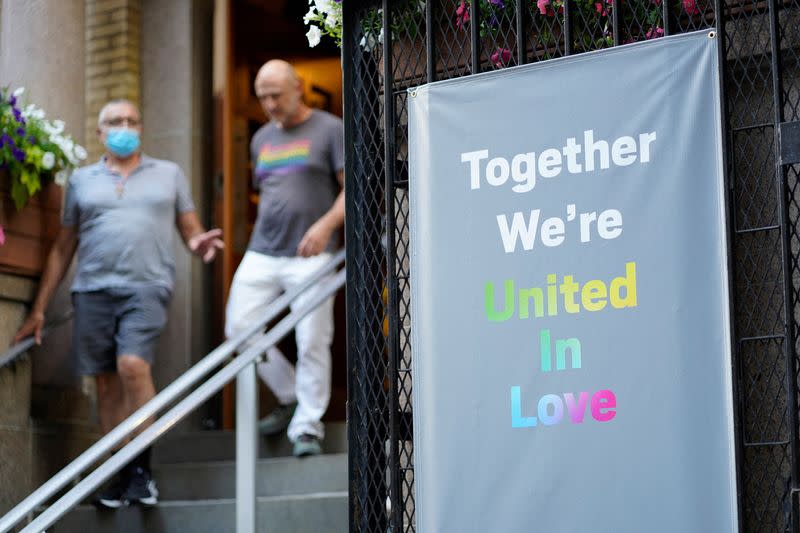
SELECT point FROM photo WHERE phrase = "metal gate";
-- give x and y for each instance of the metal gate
(390, 46)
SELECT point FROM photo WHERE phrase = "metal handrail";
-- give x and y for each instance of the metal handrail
(181, 410)
(178, 387)
(11, 355)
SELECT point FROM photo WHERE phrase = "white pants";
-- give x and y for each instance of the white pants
(259, 280)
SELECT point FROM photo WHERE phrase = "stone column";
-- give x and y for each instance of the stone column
(176, 106)
(42, 49)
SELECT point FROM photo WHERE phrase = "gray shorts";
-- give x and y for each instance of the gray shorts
(114, 322)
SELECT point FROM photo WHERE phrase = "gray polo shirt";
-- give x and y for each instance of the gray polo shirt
(125, 231)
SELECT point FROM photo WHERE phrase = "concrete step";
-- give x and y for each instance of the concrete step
(308, 513)
(276, 477)
(200, 446)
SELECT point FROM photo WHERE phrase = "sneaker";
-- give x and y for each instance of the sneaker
(278, 420)
(112, 497)
(306, 445)
(141, 489)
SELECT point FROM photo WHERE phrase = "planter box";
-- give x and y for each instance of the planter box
(29, 232)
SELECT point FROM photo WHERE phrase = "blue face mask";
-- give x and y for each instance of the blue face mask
(122, 142)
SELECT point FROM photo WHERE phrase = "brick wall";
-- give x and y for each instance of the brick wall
(113, 59)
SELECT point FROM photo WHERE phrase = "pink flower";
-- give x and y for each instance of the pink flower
(691, 7)
(2, 236)
(501, 57)
(542, 5)
(462, 14)
(654, 33)
(656, 2)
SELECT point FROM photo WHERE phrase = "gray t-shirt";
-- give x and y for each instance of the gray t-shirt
(295, 170)
(125, 235)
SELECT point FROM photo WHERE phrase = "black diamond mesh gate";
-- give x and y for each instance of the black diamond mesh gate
(391, 46)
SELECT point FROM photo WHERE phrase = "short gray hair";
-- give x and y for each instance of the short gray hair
(102, 115)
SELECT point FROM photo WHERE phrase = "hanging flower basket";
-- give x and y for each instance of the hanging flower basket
(36, 156)
(28, 232)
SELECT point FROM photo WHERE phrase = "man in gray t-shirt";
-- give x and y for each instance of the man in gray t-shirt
(119, 215)
(298, 166)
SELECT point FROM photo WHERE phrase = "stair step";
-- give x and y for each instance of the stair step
(195, 447)
(275, 477)
(324, 512)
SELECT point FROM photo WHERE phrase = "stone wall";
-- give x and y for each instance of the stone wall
(113, 59)
(41, 427)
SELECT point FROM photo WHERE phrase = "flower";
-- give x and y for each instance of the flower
(462, 14)
(48, 160)
(61, 177)
(313, 35)
(2, 236)
(324, 17)
(323, 5)
(80, 152)
(654, 33)
(542, 5)
(33, 149)
(18, 92)
(499, 3)
(691, 7)
(501, 57)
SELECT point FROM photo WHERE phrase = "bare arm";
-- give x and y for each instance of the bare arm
(58, 261)
(319, 234)
(200, 242)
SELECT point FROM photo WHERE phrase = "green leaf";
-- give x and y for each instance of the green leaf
(19, 193)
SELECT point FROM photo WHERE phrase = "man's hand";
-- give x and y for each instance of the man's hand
(206, 244)
(315, 240)
(32, 326)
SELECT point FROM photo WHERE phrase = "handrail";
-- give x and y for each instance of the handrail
(178, 387)
(83, 488)
(10, 355)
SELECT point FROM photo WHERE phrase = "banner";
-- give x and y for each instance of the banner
(570, 315)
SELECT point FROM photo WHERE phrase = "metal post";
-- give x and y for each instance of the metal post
(475, 35)
(246, 448)
(786, 257)
(731, 235)
(393, 343)
(569, 6)
(522, 45)
(666, 19)
(430, 42)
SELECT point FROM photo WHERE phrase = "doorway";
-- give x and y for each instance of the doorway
(247, 34)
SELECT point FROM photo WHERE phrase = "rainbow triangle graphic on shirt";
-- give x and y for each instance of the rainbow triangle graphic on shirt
(281, 159)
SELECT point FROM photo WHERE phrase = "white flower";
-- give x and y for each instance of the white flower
(19, 92)
(369, 42)
(332, 20)
(62, 176)
(308, 17)
(323, 6)
(48, 160)
(313, 35)
(80, 152)
(58, 127)
(380, 36)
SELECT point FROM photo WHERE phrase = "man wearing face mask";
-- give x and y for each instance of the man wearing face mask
(298, 162)
(118, 215)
